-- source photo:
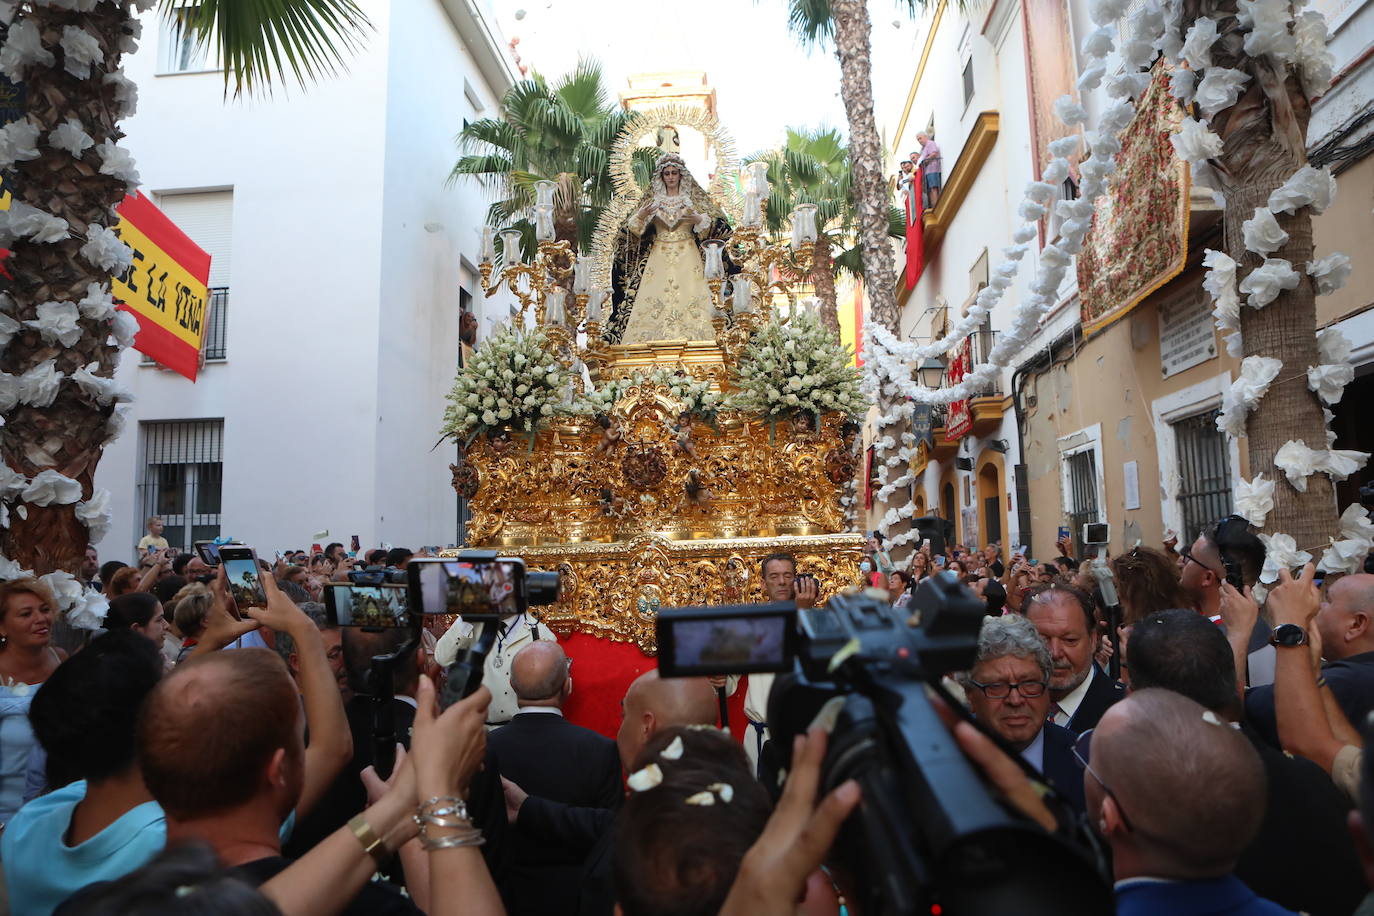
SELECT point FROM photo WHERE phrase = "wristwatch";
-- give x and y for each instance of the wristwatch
(1287, 635)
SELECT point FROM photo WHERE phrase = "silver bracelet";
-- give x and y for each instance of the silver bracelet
(443, 811)
(470, 837)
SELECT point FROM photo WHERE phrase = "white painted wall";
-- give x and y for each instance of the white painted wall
(342, 319)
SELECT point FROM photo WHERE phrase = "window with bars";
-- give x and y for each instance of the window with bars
(1204, 472)
(182, 478)
(213, 348)
(1082, 495)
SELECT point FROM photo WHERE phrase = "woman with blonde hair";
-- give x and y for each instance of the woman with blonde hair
(27, 659)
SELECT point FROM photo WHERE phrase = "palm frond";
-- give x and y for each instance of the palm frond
(583, 90)
(811, 21)
(268, 40)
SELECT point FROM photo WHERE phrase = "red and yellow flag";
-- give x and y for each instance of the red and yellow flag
(166, 287)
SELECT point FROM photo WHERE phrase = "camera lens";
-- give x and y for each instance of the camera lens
(541, 587)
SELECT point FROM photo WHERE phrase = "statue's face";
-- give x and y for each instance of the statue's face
(672, 178)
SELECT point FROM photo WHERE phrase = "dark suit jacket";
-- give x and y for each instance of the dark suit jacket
(552, 759)
(1061, 767)
(1102, 693)
(1352, 684)
(1302, 857)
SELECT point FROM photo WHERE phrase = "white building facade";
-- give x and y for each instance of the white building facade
(341, 257)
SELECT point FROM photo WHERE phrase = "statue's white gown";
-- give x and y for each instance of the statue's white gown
(674, 302)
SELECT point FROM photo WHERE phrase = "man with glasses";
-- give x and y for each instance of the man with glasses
(1228, 549)
(1008, 691)
(1178, 795)
(1080, 691)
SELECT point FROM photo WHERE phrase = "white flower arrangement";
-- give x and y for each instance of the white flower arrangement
(695, 396)
(514, 382)
(796, 368)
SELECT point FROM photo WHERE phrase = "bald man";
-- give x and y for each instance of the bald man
(561, 763)
(1345, 621)
(1174, 848)
(651, 704)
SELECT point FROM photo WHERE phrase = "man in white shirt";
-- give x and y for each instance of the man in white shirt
(515, 633)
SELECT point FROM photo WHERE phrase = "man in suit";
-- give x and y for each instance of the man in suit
(1301, 857)
(515, 633)
(1080, 691)
(1007, 690)
(548, 756)
(1178, 795)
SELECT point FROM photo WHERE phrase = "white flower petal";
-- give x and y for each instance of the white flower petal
(70, 136)
(22, 49)
(1262, 233)
(1263, 284)
(645, 779)
(80, 49)
(1069, 111)
(1255, 499)
(38, 387)
(57, 323)
(18, 142)
(1307, 187)
(1329, 380)
(104, 249)
(1219, 89)
(1280, 552)
(49, 488)
(1333, 346)
(1197, 46)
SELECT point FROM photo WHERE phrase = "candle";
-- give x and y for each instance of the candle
(511, 245)
(543, 191)
(553, 305)
(543, 224)
(582, 275)
(743, 298)
(803, 225)
(594, 304)
(759, 178)
(715, 269)
(488, 245)
(750, 217)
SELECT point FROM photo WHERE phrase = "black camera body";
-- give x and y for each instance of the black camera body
(928, 832)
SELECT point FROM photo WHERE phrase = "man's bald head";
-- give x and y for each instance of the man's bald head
(1346, 618)
(653, 703)
(210, 729)
(539, 674)
(1191, 787)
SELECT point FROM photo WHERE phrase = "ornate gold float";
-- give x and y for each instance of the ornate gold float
(643, 508)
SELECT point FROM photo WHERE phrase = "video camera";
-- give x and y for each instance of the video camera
(929, 836)
(478, 585)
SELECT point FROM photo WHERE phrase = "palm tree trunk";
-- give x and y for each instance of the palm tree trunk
(567, 204)
(1264, 144)
(866, 152)
(69, 435)
(823, 280)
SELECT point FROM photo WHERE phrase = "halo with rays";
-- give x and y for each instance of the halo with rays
(627, 190)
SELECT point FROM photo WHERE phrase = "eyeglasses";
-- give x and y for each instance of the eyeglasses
(1186, 551)
(1082, 751)
(1000, 690)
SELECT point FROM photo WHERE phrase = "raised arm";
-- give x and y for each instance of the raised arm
(1304, 727)
(1239, 612)
(331, 742)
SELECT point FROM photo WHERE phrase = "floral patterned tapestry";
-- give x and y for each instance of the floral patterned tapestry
(1139, 237)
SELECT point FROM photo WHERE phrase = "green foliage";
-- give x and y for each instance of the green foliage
(547, 131)
(813, 167)
(262, 41)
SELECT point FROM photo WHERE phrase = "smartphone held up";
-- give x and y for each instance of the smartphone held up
(243, 574)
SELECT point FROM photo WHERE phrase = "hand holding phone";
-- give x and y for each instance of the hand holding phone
(244, 579)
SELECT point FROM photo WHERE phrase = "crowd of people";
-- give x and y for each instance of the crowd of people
(191, 760)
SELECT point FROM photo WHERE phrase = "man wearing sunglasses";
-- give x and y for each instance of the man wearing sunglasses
(1008, 691)
(1229, 550)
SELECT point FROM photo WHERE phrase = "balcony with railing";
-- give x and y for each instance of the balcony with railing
(213, 348)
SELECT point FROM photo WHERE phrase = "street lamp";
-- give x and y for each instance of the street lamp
(932, 372)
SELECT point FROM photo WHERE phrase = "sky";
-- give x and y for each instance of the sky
(764, 80)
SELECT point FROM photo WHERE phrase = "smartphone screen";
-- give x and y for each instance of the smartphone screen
(1063, 532)
(472, 589)
(696, 641)
(383, 606)
(244, 575)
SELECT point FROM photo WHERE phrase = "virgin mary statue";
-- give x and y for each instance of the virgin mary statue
(659, 275)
